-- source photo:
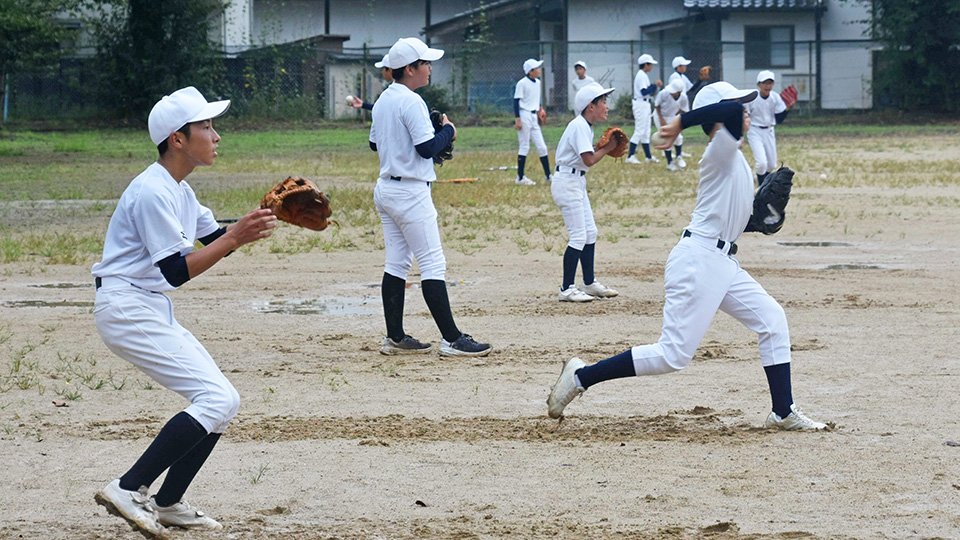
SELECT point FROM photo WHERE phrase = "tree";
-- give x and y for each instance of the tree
(917, 69)
(149, 48)
(30, 36)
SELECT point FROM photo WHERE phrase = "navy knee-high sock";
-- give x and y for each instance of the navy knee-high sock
(615, 367)
(570, 259)
(633, 149)
(781, 393)
(521, 165)
(545, 161)
(669, 155)
(586, 263)
(646, 150)
(392, 291)
(177, 437)
(679, 148)
(435, 295)
(182, 473)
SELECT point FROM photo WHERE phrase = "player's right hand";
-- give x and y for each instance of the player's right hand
(669, 133)
(254, 226)
(517, 124)
(446, 122)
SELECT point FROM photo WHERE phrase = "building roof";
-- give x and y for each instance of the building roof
(754, 5)
(493, 10)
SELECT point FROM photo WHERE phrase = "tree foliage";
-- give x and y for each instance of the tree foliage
(149, 48)
(916, 70)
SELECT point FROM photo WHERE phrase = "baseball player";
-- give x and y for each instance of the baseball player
(702, 275)
(679, 73)
(149, 250)
(643, 93)
(575, 155)
(358, 103)
(580, 68)
(766, 111)
(527, 109)
(405, 141)
(669, 104)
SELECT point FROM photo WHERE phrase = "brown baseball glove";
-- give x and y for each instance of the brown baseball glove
(297, 201)
(617, 135)
(705, 73)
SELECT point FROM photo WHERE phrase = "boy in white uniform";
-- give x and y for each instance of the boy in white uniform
(766, 111)
(669, 104)
(680, 73)
(643, 93)
(149, 250)
(526, 110)
(575, 155)
(580, 68)
(702, 276)
(404, 139)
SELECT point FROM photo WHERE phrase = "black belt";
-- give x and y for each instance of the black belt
(720, 243)
(97, 283)
(764, 127)
(570, 170)
(397, 178)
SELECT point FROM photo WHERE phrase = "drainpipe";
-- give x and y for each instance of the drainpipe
(818, 78)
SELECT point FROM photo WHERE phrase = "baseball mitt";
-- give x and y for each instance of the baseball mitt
(617, 135)
(789, 95)
(770, 202)
(436, 118)
(542, 117)
(297, 201)
(705, 73)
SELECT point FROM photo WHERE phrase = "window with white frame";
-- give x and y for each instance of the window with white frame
(768, 47)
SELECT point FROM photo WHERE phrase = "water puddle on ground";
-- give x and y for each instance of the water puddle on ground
(853, 267)
(62, 285)
(44, 303)
(316, 306)
(815, 244)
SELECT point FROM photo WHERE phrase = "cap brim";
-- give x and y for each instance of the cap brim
(211, 110)
(538, 64)
(743, 96)
(431, 55)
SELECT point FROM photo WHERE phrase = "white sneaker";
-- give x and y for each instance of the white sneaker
(133, 506)
(565, 389)
(652, 160)
(633, 160)
(672, 167)
(795, 421)
(573, 294)
(599, 290)
(681, 163)
(184, 516)
(525, 182)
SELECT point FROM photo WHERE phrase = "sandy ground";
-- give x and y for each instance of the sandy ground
(334, 440)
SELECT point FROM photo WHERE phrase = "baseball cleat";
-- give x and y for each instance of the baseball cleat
(464, 345)
(573, 294)
(652, 160)
(599, 290)
(633, 160)
(184, 516)
(795, 421)
(525, 182)
(133, 506)
(565, 389)
(407, 345)
(681, 163)
(672, 166)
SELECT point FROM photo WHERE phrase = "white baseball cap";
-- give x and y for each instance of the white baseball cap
(765, 75)
(179, 109)
(383, 63)
(646, 59)
(589, 93)
(675, 86)
(407, 51)
(722, 91)
(531, 63)
(581, 63)
(680, 61)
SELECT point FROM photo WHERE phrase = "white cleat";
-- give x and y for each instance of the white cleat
(573, 294)
(672, 167)
(525, 182)
(184, 516)
(681, 163)
(133, 506)
(599, 290)
(652, 160)
(633, 160)
(565, 389)
(795, 421)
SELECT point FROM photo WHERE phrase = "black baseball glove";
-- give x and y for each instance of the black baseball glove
(436, 117)
(770, 202)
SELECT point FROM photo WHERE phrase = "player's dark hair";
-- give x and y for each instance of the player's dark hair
(163, 146)
(596, 100)
(398, 72)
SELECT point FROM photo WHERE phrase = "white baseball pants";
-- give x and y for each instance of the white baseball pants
(530, 127)
(570, 193)
(699, 279)
(138, 326)
(641, 122)
(763, 144)
(410, 228)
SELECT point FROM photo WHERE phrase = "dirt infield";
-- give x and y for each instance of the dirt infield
(334, 440)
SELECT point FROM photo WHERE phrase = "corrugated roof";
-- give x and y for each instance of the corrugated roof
(752, 4)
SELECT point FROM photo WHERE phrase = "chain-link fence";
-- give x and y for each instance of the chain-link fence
(310, 82)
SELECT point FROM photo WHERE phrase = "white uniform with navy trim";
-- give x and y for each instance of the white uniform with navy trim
(402, 195)
(528, 92)
(762, 136)
(157, 217)
(577, 84)
(641, 109)
(569, 186)
(670, 108)
(701, 278)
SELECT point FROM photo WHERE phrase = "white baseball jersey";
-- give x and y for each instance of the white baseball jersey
(528, 92)
(725, 193)
(156, 217)
(640, 82)
(669, 107)
(687, 85)
(763, 111)
(577, 138)
(579, 83)
(401, 121)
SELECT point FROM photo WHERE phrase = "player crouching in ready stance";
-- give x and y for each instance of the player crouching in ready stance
(148, 250)
(701, 274)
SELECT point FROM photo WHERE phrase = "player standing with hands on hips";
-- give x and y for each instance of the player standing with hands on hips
(766, 112)
(575, 156)
(528, 113)
(643, 93)
(148, 250)
(405, 141)
(702, 276)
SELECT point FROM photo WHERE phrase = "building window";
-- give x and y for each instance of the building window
(768, 47)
